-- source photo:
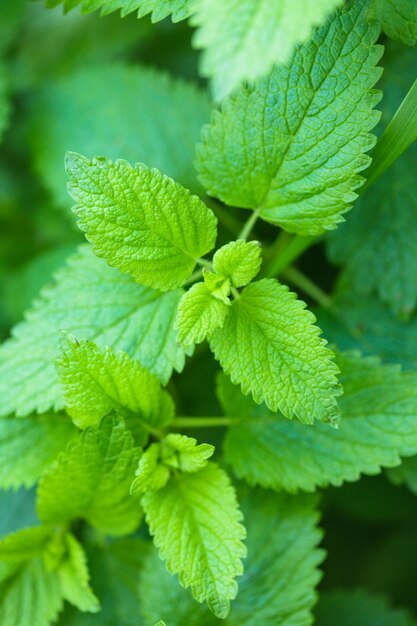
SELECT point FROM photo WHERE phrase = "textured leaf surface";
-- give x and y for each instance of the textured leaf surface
(243, 38)
(377, 242)
(98, 381)
(379, 424)
(354, 607)
(159, 9)
(92, 301)
(91, 480)
(132, 113)
(271, 347)
(28, 446)
(238, 260)
(195, 522)
(293, 144)
(277, 586)
(139, 220)
(397, 18)
(199, 314)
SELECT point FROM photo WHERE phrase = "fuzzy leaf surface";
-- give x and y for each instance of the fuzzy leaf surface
(159, 9)
(280, 575)
(241, 39)
(97, 381)
(271, 347)
(139, 220)
(35, 441)
(379, 425)
(293, 144)
(196, 524)
(95, 302)
(199, 315)
(91, 480)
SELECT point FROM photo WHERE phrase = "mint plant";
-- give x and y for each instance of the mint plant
(173, 402)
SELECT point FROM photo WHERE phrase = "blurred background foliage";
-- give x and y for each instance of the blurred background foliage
(106, 85)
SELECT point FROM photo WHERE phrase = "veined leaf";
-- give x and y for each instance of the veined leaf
(139, 220)
(74, 577)
(97, 382)
(379, 425)
(241, 39)
(159, 9)
(195, 522)
(238, 260)
(358, 606)
(92, 301)
(91, 480)
(271, 347)
(134, 113)
(280, 575)
(199, 314)
(292, 145)
(28, 446)
(397, 18)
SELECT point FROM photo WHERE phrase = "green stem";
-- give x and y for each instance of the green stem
(248, 226)
(205, 263)
(304, 283)
(397, 137)
(212, 422)
(193, 278)
(293, 249)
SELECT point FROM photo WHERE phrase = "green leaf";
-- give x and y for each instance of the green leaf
(379, 425)
(238, 260)
(358, 606)
(97, 382)
(377, 242)
(139, 220)
(271, 347)
(148, 110)
(74, 577)
(35, 441)
(243, 38)
(160, 9)
(277, 586)
(200, 313)
(195, 522)
(4, 105)
(292, 145)
(405, 474)
(397, 18)
(30, 597)
(175, 452)
(92, 301)
(25, 544)
(91, 480)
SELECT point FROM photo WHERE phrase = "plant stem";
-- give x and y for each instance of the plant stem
(196, 276)
(205, 263)
(248, 226)
(310, 288)
(213, 422)
(293, 248)
(396, 138)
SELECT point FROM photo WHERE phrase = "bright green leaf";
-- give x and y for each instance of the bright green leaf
(271, 347)
(160, 9)
(398, 19)
(292, 146)
(151, 474)
(91, 480)
(93, 302)
(35, 441)
(97, 382)
(379, 410)
(148, 110)
(195, 522)
(243, 38)
(139, 220)
(238, 260)
(74, 577)
(280, 575)
(200, 313)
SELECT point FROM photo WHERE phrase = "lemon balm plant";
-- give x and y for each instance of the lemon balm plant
(191, 518)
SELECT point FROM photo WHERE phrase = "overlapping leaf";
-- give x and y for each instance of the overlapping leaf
(159, 9)
(292, 145)
(398, 19)
(379, 425)
(92, 301)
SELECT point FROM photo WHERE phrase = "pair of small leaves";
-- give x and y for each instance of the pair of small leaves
(39, 569)
(205, 306)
